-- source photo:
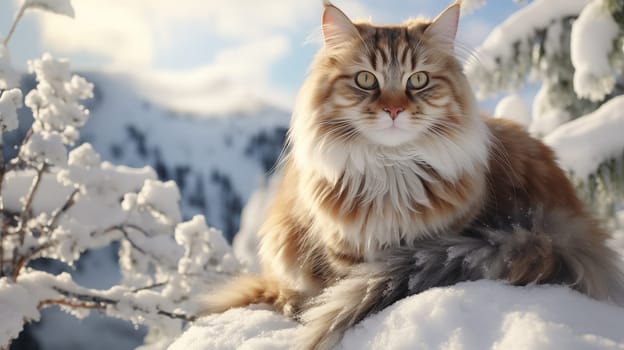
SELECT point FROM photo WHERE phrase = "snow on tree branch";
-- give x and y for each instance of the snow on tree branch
(35, 290)
(56, 100)
(616, 8)
(58, 204)
(594, 35)
(61, 7)
(515, 47)
(585, 142)
(573, 48)
(10, 101)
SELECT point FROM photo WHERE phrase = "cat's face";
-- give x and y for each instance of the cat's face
(389, 85)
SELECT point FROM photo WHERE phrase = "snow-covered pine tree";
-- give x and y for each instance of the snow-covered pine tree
(574, 49)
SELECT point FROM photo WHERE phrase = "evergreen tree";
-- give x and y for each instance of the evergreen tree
(575, 50)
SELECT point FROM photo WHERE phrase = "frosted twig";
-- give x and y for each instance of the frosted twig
(69, 303)
(151, 286)
(96, 302)
(24, 259)
(123, 229)
(132, 243)
(57, 214)
(177, 315)
(138, 228)
(29, 199)
(25, 140)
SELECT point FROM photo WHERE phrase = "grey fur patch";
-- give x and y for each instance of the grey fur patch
(587, 265)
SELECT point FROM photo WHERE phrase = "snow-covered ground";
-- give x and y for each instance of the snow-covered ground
(473, 315)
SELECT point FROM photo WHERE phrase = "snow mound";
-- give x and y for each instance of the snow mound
(473, 315)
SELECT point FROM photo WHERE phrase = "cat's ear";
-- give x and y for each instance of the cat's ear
(337, 27)
(443, 29)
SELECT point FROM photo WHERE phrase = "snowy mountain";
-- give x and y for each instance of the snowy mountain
(217, 159)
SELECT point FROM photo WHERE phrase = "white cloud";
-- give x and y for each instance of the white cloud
(118, 33)
(237, 81)
(129, 33)
(239, 42)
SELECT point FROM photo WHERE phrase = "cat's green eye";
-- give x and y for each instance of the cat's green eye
(366, 80)
(418, 80)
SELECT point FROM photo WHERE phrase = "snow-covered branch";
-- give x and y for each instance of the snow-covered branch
(61, 7)
(34, 290)
(524, 44)
(573, 48)
(594, 37)
(58, 204)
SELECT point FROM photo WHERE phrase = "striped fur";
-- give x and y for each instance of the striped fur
(519, 256)
(254, 289)
(373, 207)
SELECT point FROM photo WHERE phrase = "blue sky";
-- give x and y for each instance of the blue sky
(265, 45)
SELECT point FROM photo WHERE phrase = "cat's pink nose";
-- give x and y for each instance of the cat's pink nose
(393, 111)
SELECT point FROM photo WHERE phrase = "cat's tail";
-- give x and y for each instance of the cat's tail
(572, 257)
(251, 289)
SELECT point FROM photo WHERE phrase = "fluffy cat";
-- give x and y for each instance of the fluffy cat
(393, 183)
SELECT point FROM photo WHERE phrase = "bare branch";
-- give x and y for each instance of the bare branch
(184, 317)
(96, 302)
(18, 267)
(123, 228)
(151, 286)
(137, 228)
(132, 243)
(24, 259)
(26, 210)
(27, 137)
(17, 18)
(57, 214)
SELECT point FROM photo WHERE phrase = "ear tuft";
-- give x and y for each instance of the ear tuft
(337, 28)
(443, 29)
